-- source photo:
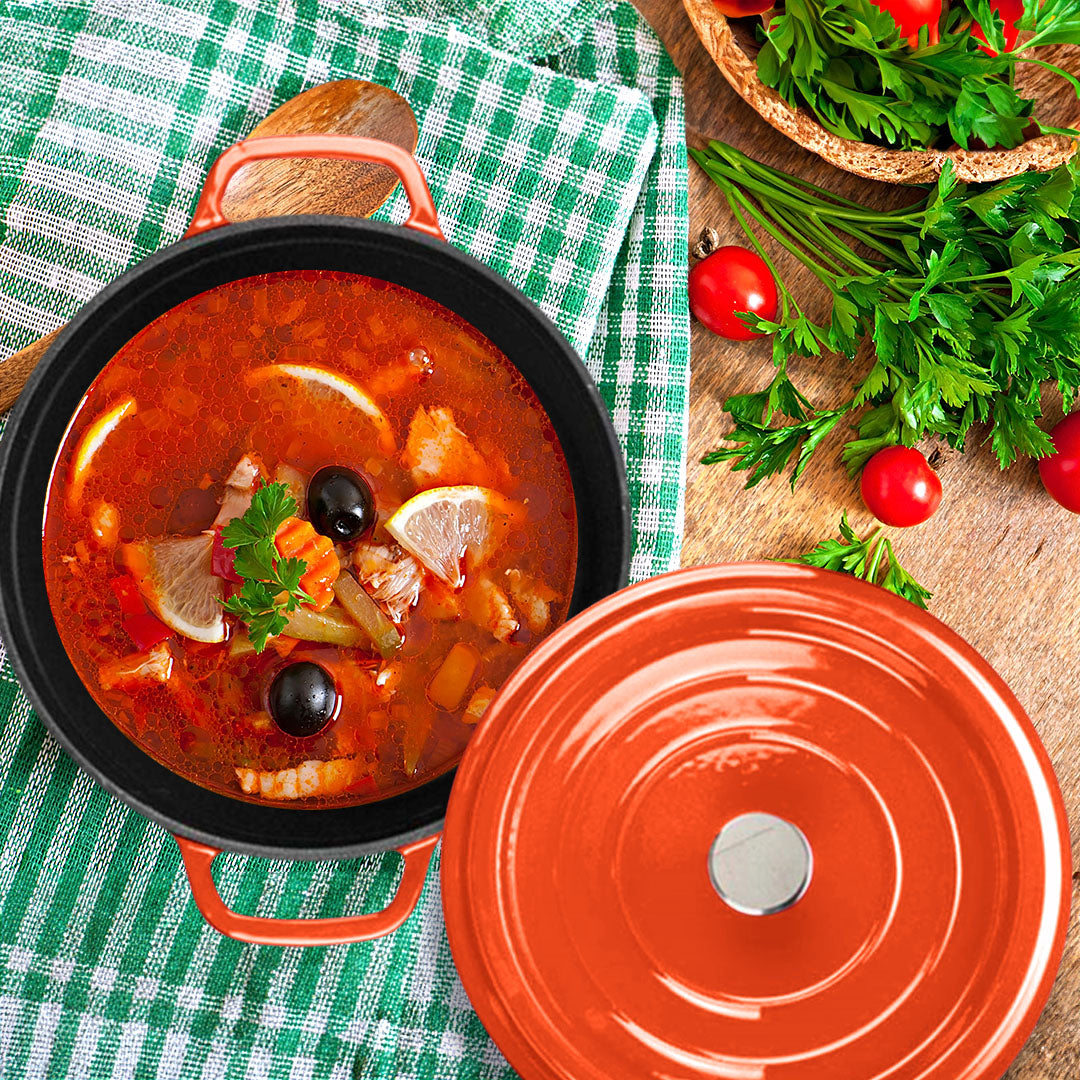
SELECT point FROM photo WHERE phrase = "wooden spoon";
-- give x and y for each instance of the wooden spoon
(274, 188)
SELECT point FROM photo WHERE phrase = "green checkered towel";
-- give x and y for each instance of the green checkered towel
(551, 132)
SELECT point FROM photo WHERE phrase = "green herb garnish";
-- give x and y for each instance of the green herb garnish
(846, 63)
(970, 296)
(872, 559)
(271, 586)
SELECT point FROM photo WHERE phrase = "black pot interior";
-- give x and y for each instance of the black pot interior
(37, 427)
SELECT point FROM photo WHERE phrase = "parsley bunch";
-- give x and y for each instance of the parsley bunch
(271, 585)
(845, 62)
(970, 296)
(872, 559)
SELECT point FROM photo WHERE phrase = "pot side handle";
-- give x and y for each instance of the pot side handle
(208, 213)
(258, 930)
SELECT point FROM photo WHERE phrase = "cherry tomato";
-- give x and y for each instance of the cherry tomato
(1060, 472)
(899, 487)
(738, 9)
(732, 279)
(912, 15)
(1010, 11)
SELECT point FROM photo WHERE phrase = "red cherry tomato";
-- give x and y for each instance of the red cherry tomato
(730, 280)
(1010, 11)
(899, 487)
(738, 9)
(912, 15)
(1060, 472)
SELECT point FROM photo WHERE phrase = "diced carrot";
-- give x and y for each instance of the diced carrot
(452, 679)
(298, 539)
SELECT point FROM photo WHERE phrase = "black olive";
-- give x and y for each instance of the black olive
(340, 503)
(302, 698)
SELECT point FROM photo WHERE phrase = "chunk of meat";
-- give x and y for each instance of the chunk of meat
(439, 454)
(104, 524)
(390, 574)
(441, 602)
(487, 606)
(398, 375)
(239, 488)
(295, 481)
(478, 703)
(298, 539)
(387, 680)
(308, 780)
(532, 598)
(139, 669)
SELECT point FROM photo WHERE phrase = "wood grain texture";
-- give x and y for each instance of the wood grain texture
(1000, 556)
(733, 48)
(274, 188)
(354, 188)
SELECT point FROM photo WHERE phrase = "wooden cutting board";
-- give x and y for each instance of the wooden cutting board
(1002, 559)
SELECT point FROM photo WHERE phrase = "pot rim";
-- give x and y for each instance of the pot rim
(424, 804)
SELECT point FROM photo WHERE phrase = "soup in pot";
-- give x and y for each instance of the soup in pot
(300, 530)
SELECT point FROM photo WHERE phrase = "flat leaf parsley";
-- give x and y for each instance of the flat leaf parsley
(846, 62)
(872, 559)
(970, 296)
(271, 587)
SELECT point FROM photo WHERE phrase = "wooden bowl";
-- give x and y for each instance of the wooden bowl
(733, 46)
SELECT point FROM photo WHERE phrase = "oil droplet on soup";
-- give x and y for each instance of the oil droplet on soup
(180, 497)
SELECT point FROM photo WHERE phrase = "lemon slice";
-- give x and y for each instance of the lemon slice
(321, 383)
(175, 578)
(90, 443)
(439, 525)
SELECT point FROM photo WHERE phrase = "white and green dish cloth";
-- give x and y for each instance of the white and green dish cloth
(551, 132)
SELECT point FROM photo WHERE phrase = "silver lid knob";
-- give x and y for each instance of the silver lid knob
(760, 864)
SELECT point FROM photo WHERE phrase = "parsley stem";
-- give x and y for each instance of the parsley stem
(786, 299)
(782, 239)
(797, 186)
(1060, 72)
(778, 215)
(875, 543)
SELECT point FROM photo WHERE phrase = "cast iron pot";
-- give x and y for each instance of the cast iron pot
(214, 252)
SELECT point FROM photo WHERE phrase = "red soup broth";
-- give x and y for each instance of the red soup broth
(265, 381)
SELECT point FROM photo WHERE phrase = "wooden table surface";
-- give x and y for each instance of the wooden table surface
(1002, 559)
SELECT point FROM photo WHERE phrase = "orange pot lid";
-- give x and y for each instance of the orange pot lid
(758, 822)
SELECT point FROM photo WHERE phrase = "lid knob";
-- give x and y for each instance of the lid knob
(760, 864)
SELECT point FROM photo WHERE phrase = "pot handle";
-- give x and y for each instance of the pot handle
(258, 930)
(208, 213)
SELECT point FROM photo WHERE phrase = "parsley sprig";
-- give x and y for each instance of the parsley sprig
(271, 587)
(872, 559)
(970, 296)
(845, 62)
